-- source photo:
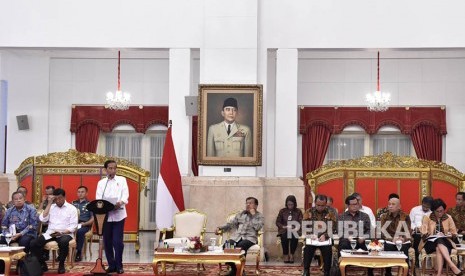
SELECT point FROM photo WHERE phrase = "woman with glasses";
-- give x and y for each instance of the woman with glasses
(290, 213)
(437, 231)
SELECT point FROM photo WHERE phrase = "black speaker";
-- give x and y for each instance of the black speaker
(23, 123)
(191, 105)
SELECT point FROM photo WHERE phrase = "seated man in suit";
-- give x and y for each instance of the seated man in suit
(246, 225)
(396, 224)
(62, 222)
(323, 223)
(86, 219)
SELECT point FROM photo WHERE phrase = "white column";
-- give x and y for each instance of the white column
(286, 113)
(229, 56)
(180, 78)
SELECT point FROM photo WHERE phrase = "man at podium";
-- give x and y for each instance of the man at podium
(114, 189)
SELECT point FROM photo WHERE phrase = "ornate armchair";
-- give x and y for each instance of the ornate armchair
(423, 257)
(53, 247)
(254, 252)
(188, 223)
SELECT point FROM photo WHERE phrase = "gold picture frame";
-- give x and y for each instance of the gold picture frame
(242, 146)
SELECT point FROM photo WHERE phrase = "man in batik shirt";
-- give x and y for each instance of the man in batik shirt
(385, 209)
(397, 229)
(323, 225)
(458, 212)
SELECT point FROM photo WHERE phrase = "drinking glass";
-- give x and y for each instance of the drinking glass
(398, 245)
(353, 243)
(212, 244)
(184, 243)
(367, 242)
(460, 238)
(8, 237)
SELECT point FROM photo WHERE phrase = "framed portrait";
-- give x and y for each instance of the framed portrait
(230, 125)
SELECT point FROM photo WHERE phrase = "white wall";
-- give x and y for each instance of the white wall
(234, 38)
(413, 79)
(28, 87)
(362, 24)
(47, 98)
(106, 24)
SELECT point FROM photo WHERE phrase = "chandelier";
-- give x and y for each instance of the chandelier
(378, 101)
(118, 100)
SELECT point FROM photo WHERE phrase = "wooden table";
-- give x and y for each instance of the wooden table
(384, 259)
(210, 257)
(6, 253)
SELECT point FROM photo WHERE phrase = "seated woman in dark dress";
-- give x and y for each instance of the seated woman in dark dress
(290, 213)
(439, 224)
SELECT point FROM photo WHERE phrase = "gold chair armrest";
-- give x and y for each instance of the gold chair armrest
(164, 230)
(220, 236)
(260, 238)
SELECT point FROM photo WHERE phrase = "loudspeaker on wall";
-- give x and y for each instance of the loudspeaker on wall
(23, 123)
(191, 105)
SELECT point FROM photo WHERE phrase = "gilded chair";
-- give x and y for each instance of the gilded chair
(188, 223)
(254, 252)
(53, 247)
(88, 238)
(423, 258)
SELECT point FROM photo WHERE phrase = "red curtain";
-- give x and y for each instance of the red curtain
(194, 164)
(426, 125)
(87, 138)
(315, 143)
(427, 142)
(88, 120)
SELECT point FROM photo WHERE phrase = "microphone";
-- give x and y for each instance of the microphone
(108, 179)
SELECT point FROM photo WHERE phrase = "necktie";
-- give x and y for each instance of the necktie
(229, 129)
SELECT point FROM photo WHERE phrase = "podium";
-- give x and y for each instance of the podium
(100, 209)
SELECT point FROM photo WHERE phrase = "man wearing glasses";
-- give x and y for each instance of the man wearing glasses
(348, 227)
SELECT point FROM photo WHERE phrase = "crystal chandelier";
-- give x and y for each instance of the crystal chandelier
(118, 100)
(378, 101)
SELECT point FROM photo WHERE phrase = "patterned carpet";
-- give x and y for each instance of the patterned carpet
(83, 268)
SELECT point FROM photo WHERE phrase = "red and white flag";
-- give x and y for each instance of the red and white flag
(170, 199)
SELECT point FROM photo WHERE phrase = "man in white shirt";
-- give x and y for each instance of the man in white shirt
(367, 210)
(416, 217)
(62, 221)
(114, 189)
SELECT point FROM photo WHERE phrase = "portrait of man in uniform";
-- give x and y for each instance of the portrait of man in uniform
(229, 138)
(230, 124)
